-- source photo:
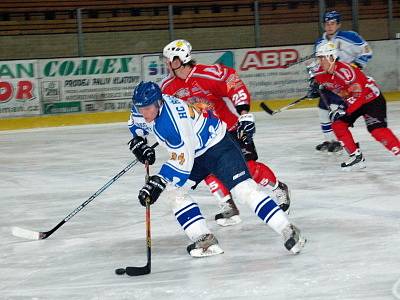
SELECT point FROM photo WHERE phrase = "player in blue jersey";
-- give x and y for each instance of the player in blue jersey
(351, 48)
(198, 145)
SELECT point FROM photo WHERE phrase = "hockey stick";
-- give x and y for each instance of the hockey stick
(39, 235)
(303, 59)
(138, 271)
(273, 112)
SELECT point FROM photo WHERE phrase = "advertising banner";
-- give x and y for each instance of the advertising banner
(265, 71)
(18, 88)
(88, 84)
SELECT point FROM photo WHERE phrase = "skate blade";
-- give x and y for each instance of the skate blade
(212, 250)
(229, 221)
(359, 166)
(299, 246)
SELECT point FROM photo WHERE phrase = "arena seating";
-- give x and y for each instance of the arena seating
(53, 16)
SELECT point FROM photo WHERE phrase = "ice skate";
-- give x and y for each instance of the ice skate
(335, 147)
(355, 161)
(229, 215)
(293, 239)
(206, 245)
(282, 194)
(323, 146)
(395, 150)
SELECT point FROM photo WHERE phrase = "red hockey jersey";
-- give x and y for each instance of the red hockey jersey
(350, 83)
(215, 87)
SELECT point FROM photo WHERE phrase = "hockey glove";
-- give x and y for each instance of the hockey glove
(142, 151)
(246, 128)
(313, 89)
(152, 190)
(336, 112)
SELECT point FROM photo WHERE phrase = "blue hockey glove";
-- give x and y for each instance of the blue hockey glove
(152, 189)
(142, 151)
(246, 128)
(336, 112)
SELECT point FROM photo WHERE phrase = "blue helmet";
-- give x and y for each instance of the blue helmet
(332, 16)
(146, 93)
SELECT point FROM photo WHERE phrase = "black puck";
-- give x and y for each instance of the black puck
(120, 271)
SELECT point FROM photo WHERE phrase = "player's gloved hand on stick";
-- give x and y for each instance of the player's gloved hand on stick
(142, 151)
(336, 112)
(313, 89)
(246, 128)
(152, 189)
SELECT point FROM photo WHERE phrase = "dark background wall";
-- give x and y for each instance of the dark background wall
(150, 41)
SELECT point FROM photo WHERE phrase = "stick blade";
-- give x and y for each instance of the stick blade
(266, 108)
(25, 233)
(138, 271)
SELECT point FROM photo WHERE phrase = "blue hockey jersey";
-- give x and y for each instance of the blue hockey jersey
(350, 45)
(185, 131)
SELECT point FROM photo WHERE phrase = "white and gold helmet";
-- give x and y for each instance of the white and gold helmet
(179, 48)
(327, 50)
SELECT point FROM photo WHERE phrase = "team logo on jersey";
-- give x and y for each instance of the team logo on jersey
(233, 82)
(347, 73)
(182, 93)
(197, 89)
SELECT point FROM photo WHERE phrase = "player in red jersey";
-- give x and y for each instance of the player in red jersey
(361, 97)
(220, 88)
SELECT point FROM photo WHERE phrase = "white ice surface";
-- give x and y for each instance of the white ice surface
(351, 220)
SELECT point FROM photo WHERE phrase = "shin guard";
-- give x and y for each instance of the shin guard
(343, 134)
(261, 173)
(387, 138)
(217, 188)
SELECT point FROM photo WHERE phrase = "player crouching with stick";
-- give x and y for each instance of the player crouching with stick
(198, 145)
(361, 97)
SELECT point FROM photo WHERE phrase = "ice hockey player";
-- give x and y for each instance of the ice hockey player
(361, 97)
(219, 88)
(351, 48)
(198, 145)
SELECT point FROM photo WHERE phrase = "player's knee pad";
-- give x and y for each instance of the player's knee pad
(247, 192)
(176, 196)
(259, 201)
(261, 173)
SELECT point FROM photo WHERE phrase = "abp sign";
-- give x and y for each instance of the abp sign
(269, 59)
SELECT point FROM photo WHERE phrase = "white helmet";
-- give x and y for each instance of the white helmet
(180, 48)
(328, 49)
